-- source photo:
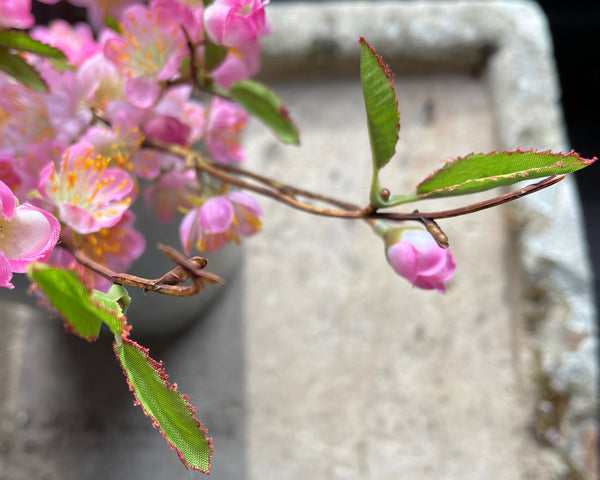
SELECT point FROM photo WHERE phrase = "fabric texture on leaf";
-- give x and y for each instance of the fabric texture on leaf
(82, 313)
(477, 172)
(170, 410)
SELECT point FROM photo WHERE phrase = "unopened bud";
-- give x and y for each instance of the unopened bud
(384, 193)
(436, 232)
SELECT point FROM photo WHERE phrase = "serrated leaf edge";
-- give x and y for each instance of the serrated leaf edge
(522, 174)
(66, 325)
(390, 76)
(163, 376)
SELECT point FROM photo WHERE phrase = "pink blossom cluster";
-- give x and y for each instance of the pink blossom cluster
(76, 157)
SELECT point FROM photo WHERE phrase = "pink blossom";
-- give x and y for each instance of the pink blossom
(192, 14)
(76, 42)
(9, 173)
(28, 117)
(27, 234)
(24, 117)
(100, 81)
(16, 14)
(167, 129)
(116, 247)
(28, 164)
(97, 10)
(150, 49)
(239, 64)
(170, 192)
(176, 103)
(233, 23)
(414, 255)
(220, 220)
(116, 143)
(89, 196)
(225, 125)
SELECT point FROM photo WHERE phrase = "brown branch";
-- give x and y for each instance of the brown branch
(168, 284)
(288, 194)
(474, 207)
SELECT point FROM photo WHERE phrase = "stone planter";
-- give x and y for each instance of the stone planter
(319, 361)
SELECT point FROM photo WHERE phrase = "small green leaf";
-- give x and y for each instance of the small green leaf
(264, 105)
(20, 70)
(24, 43)
(169, 409)
(116, 300)
(72, 299)
(213, 56)
(112, 24)
(383, 118)
(477, 172)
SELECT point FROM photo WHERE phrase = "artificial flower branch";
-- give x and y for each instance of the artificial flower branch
(288, 194)
(168, 284)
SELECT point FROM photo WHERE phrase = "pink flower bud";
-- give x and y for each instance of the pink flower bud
(220, 220)
(233, 23)
(414, 255)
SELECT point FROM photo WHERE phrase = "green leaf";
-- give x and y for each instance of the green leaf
(20, 70)
(264, 104)
(116, 300)
(112, 24)
(383, 118)
(169, 409)
(24, 43)
(213, 56)
(81, 310)
(477, 172)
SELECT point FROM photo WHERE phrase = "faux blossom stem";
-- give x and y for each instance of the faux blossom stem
(288, 194)
(168, 284)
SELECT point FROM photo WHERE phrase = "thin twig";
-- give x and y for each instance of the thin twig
(288, 194)
(168, 284)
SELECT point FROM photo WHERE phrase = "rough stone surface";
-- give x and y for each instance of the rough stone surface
(317, 361)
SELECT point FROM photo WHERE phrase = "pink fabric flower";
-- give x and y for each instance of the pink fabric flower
(220, 220)
(150, 49)
(100, 82)
(225, 125)
(415, 255)
(16, 14)
(9, 173)
(25, 118)
(116, 247)
(29, 117)
(27, 234)
(233, 23)
(89, 196)
(76, 42)
(239, 64)
(170, 192)
(97, 10)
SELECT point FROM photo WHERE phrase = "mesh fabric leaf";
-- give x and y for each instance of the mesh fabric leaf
(477, 172)
(170, 410)
(82, 313)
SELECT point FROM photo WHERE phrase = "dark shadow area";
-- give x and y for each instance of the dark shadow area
(575, 28)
